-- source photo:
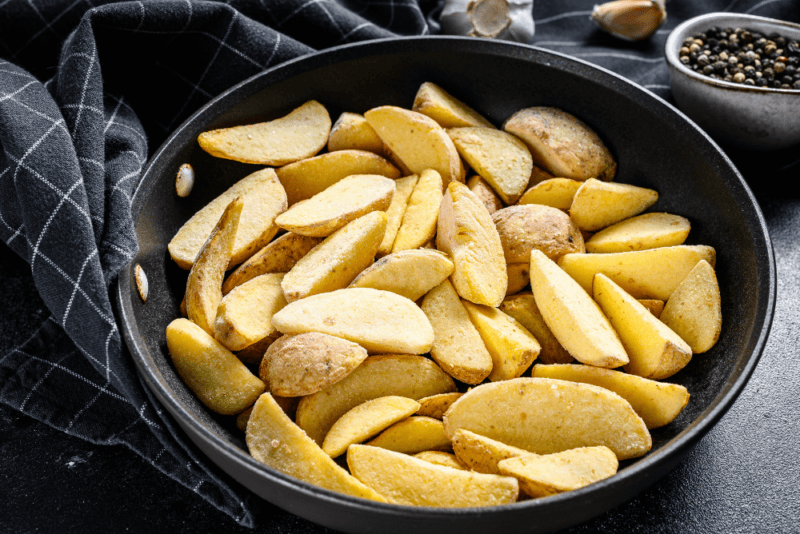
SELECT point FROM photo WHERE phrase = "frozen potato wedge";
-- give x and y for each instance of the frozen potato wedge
(467, 233)
(335, 262)
(522, 307)
(650, 230)
(300, 134)
(211, 371)
(264, 199)
(446, 459)
(407, 480)
(351, 131)
(244, 315)
(573, 317)
(554, 192)
(694, 310)
(435, 405)
(543, 416)
(409, 273)
(482, 454)
(445, 109)
(561, 144)
(396, 212)
(597, 204)
(657, 403)
(519, 277)
(485, 193)
(413, 435)
(532, 226)
(275, 441)
(404, 375)
(654, 306)
(422, 212)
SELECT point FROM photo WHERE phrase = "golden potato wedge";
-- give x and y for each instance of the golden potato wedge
(457, 345)
(523, 228)
(573, 317)
(654, 350)
(482, 454)
(543, 416)
(422, 212)
(396, 212)
(264, 199)
(211, 371)
(410, 273)
(650, 230)
(485, 193)
(351, 131)
(404, 375)
(417, 140)
(300, 134)
(519, 277)
(467, 233)
(254, 354)
(306, 178)
(335, 262)
(654, 306)
(446, 459)
(204, 285)
(407, 480)
(694, 310)
(498, 157)
(561, 144)
(551, 474)
(277, 257)
(435, 405)
(522, 307)
(413, 435)
(445, 109)
(275, 441)
(287, 404)
(645, 274)
(295, 366)
(597, 204)
(658, 404)
(554, 192)
(244, 315)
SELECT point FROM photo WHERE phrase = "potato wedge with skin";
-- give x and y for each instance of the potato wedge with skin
(522, 307)
(561, 144)
(211, 371)
(306, 178)
(650, 230)
(445, 109)
(404, 375)
(498, 157)
(396, 212)
(417, 140)
(551, 474)
(204, 285)
(351, 131)
(264, 199)
(694, 311)
(554, 192)
(543, 416)
(435, 405)
(519, 277)
(523, 228)
(654, 350)
(573, 317)
(645, 274)
(300, 134)
(295, 366)
(275, 441)
(597, 205)
(442, 458)
(457, 345)
(485, 193)
(335, 262)
(482, 454)
(422, 212)
(654, 306)
(467, 233)
(658, 404)
(244, 315)
(409, 273)
(407, 480)
(413, 435)
(365, 421)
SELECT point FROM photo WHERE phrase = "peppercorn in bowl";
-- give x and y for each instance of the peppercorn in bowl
(738, 77)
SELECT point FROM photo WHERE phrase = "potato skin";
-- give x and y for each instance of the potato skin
(523, 228)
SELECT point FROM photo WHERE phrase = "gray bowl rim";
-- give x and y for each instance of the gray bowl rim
(668, 454)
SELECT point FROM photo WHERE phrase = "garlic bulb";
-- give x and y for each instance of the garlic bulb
(632, 20)
(510, 20)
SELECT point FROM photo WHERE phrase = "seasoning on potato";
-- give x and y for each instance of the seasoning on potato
(409, 273)
(597, 205)
(523, 228)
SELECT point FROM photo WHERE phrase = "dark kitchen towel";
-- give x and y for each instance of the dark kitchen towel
(89, 88)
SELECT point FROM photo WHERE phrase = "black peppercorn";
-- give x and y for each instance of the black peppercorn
(708, 69)
(761, 82)
(749, 81)
(776, 84)
(779, 67)
(703, 60)
(787, 80)
(797, 84)
(790, 70)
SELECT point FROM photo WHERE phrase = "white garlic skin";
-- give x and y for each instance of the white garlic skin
(141, 282)
(455, 20)
(632, 20)
(184, 181)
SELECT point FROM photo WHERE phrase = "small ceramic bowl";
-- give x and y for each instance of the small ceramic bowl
(757, 118)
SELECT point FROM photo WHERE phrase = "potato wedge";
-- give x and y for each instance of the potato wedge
(654, 306)
(204, 285)
(561, 144)
(519, 277)
(365, 421)
(658, 404)
(413, 435)
(422, 212)
(295, 366)
(306, 178)
(694, 310)
(485, 193)
(435, 405)
(211, 371)
(551, 474)
(335, 262)
(597, 204)
(409, 376)
(445, 109)
(543, 416)
(498, 157)
(467, 233)
(409, 273)
(554, 192)
(650, 230)
(417, 140)
(645, 274)
(482, 454)
(523, 228)
(512, 347)
(275, 441)
(351, 131)
(244, 315)
(573, 317)
(300, 134)
(457, 345)
(287, 404)
(446, 459)
(522, 307)
(396, 212)
(407, 480)
(264, 199)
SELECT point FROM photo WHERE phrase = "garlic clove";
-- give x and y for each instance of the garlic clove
(510, 20)
(141, 282)
(184, 181)
(489, 18)
(632, 20)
